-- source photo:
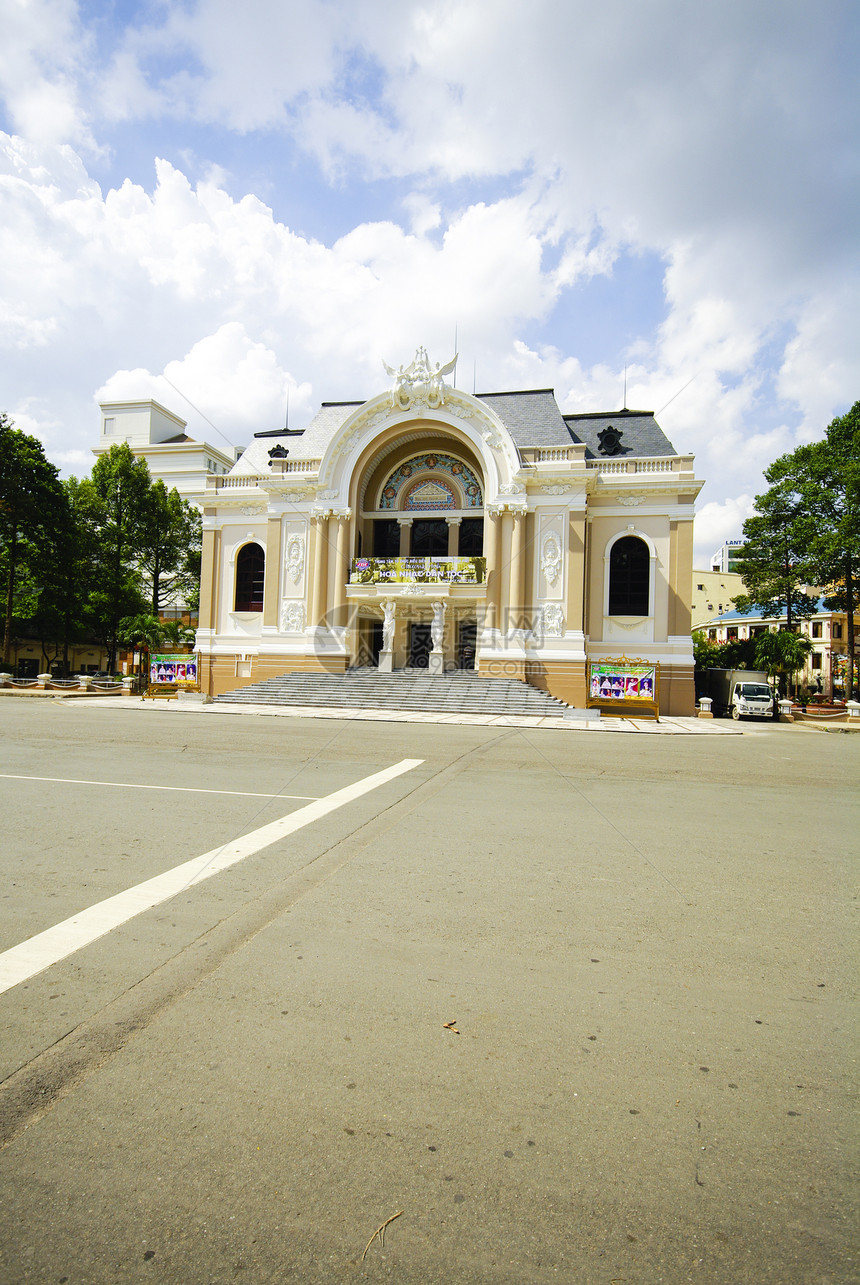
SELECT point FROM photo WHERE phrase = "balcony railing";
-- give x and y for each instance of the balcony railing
(658, 464)
(418, 571)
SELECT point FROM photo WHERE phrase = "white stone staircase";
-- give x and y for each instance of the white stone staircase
(461, 692)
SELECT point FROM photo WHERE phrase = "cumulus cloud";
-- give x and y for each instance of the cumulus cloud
(501, 156)
(226, 383)
(715, 524)
(43, 57)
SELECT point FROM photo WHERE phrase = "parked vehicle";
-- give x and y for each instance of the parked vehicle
(742, 693)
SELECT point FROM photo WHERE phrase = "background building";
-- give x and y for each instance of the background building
(713, 594)
(827, 665)
(727, 556)
(429, 525)
(158, 436)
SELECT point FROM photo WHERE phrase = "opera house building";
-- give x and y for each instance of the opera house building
(432, 529)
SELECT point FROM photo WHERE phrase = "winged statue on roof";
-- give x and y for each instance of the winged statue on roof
(419, 382)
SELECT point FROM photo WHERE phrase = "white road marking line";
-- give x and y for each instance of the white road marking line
(133, 785)
(49, 947)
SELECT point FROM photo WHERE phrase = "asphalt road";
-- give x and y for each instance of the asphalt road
(643, 943)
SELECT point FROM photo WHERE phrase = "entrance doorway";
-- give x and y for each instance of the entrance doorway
(375, 641)
(420, 644)
(466, 642)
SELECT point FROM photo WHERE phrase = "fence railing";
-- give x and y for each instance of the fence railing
(654, 464)
(80, 682)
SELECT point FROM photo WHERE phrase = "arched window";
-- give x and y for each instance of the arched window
(250, 573)
(629, 568)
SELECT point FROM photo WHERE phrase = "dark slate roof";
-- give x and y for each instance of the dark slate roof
(322, 429)
(640, 433)
(532, 418)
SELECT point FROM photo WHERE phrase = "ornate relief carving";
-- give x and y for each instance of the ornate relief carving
(555, 490)
(250, 510)
(455, 404)
(552, 618)
(295, 560)
(513, 488)
(632, 501)
(550, 563)
(413, 591)
(292, 618)
(419, 384)
(636, 624)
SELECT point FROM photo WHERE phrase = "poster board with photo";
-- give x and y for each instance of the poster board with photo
(174, 669)
(625, 686)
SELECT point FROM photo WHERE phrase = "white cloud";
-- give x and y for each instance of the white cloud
(226, 384)
(821, 365)
(42, 56)
(716, 139)
(716, 523)
(145, 275)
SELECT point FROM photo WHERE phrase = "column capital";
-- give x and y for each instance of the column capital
(453, 521)
(405, 521)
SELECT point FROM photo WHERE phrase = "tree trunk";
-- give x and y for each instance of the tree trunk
(10, 584)
(849, 603)
(156, 583)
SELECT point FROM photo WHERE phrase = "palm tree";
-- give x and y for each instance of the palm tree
(783, 652)
(177, 634)
(143, 633)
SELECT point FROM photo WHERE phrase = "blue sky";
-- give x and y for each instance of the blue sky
(250, 200)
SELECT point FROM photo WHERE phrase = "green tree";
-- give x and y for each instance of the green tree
(774, 561)
(32, 506)
(706, 654)
(144, 633)
(187, 582)
(782, 653)
(827, 476)
(176, 635)
(64, 570)
(170, 529)
(112, 506)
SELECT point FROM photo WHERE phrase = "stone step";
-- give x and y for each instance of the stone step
(459, 692)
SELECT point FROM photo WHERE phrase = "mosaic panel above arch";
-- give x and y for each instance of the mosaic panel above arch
(431, 481)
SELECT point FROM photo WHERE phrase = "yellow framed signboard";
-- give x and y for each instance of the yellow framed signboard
(625, 686)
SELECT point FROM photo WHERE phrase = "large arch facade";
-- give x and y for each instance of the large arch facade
(531, 604)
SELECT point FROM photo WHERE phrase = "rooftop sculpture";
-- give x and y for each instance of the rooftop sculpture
(419, 382)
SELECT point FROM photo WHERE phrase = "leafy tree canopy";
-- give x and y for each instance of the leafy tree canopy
(806, 530)
(32, 509)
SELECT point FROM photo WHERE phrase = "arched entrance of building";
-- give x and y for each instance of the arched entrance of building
(419, 504)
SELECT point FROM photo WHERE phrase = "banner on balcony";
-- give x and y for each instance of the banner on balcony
(417, 571)
(178, 670)
(624, 686)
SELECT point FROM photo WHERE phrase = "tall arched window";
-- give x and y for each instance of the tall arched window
(250, 574)
(629, 568)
